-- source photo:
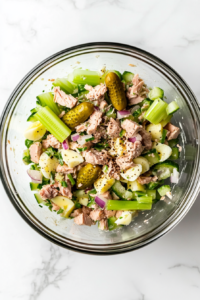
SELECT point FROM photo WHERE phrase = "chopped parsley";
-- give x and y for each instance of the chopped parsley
(28, 143)
(83, 133)
(90, 139)
(71, 179)
(82, 149)
(50, 151)
(120, 217)
(52, 178)
(122, 132)
(64, 183)
(58, 155)
(27, 159)
(60, 211)
(105, 169)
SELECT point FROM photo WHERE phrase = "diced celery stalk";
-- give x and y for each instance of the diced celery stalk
(53, 124)
(127, 205)
(144, 199)
(172, 108)
(164, 122)
(46, 99)
(156, 111)
(64, 85)
(156, 93)
(85, 77)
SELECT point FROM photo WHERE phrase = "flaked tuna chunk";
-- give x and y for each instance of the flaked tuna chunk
(109, 213)
(82, 127)
(124, 162)
(64, 191)
(131, 127)
(103, 105)
(106, 195)
(76, 212)
(63, 99)
(48, 192)
(145, 179)
(94, 121)
(97, 92)
(86, 210)
(51, 141)
(119, 213)
(134, 149)
(64, 169)
(83, 219)
(173, 131)
(113, 170)
(97, 215)
(113, 128)
(35, 152)
(96, 157)
(135, 100)
(55, 207)
(146, 139)
(99, 133)
(103, 224)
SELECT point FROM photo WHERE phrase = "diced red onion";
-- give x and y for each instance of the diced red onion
(132, 140)
(175, 176)
(65, 145)
(35, 175)
(123, 113)
(134, 108)
(75, 137)
(82, 139)
(96, 108)
(101, 201)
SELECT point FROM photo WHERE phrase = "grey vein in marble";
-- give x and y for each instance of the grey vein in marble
(185, 266)
(48, 274)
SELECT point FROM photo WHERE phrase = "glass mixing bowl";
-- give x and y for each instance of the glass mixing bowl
(149, 225)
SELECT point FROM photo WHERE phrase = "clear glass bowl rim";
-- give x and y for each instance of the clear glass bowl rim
(176, 216)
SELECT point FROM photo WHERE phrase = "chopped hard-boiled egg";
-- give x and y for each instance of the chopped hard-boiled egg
(66, 204)
(143, 162)
(103, 183)
(135, 186)
(133, 173)
(47, 164)
(35, 131)
(118, 148)
(126, 217)
(71, 158)
(164, 151)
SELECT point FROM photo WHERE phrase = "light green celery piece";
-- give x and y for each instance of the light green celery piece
(127, 205)
(85, 77)
(47, 99)
(53, 123)
(144, 199)
(64, 85)
(172, 108)
(156, 112)
(164, 122)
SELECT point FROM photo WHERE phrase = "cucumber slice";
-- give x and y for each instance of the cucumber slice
(151, 193)
(127, 77)
(39, 199)
(152, 156)
(145, 104)
(164, 169)
(156, 93)
(153, 185)
(175, 154)
(173, 143)
(34, 186)
(112, 225)
(172, 108)
(163, 190)
(31, 118)
(64, 85)
(120, 191)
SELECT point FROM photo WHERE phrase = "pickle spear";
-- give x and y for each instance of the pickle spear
(116, 91)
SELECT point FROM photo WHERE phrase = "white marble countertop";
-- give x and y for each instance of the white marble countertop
(31, 267)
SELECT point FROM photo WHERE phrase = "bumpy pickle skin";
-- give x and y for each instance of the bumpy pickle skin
(116, 91)
(87, 176)
(78, 114)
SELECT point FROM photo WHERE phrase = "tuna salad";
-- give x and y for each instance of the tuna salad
(101, 148)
